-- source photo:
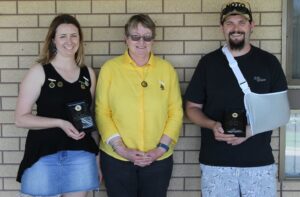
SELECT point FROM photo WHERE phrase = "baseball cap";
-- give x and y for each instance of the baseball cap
(236, 7)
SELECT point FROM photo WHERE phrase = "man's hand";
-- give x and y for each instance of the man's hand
(240, 140)
(218, 132)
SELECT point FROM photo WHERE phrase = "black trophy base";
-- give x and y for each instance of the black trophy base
(236, 133)
(234, 122)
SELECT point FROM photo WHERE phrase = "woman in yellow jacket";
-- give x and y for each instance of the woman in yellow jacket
(139, 115)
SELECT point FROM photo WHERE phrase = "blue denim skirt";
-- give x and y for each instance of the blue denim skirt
(62, 172)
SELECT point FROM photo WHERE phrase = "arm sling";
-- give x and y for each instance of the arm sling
(265, 112)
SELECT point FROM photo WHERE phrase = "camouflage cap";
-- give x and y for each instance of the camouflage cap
(236, 7)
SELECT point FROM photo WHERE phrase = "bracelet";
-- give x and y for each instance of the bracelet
(164, 146)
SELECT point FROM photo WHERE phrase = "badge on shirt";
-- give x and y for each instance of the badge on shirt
(85, 83)
(51, 84)
(60, 84)
(161, 85)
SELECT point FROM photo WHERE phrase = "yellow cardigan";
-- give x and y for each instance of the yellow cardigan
(140, 115)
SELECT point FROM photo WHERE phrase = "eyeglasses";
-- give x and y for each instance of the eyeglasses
(146, 38)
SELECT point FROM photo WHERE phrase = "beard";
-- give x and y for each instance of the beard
(236, 44)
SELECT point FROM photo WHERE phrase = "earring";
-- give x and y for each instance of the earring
(52, 48)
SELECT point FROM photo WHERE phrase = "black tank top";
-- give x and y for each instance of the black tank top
(55, 94)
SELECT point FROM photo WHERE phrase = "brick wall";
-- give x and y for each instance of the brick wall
(186, 31)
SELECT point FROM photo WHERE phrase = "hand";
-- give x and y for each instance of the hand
(153, 155)
(71, 131)
(219, 133)
(136, 157)
(240, 140)
(100, 176)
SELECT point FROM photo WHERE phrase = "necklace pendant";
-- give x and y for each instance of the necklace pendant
(144, 84)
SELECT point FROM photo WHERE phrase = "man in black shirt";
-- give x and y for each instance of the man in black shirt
(233, 166)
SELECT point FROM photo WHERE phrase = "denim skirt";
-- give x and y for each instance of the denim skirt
(62, 172)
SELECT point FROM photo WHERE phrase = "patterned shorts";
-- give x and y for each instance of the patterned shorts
(235, 182)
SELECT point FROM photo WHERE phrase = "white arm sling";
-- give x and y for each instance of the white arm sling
(265, 112)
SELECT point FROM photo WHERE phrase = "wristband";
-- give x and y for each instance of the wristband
(164, 146)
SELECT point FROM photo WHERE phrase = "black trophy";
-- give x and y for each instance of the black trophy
(234, 122)
(81, 116)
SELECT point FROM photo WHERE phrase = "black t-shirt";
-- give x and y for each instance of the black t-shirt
(55, 94)
(215, 86)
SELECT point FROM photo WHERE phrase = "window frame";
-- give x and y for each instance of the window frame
(288, 38)
(293, 84)
(282, 175)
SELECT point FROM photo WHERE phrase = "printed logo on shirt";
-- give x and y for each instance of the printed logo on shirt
(259, 79)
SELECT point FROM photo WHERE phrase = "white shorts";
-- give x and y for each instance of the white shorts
(236, 182)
